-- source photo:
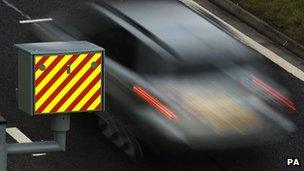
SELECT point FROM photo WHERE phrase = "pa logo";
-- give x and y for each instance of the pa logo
(293, 162)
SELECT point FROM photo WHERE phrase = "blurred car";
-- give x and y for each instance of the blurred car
(176, 80)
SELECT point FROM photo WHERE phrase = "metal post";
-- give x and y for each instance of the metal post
(3, 152)
(60, 125)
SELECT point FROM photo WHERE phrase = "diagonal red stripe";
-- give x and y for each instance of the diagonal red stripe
(98, 107)
(75, 87)
(55, 78)
(83, 93)
(48, 69)
(65, 82)
(91, 100)
(41, 62)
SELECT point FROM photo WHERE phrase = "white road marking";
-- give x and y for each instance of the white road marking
(35, 21)
(21, 138)
(39, 154)
(253, 44)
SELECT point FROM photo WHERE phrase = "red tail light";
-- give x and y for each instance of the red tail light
(153, 101)
(271, 91)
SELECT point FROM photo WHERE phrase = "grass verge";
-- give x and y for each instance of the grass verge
(286, 16)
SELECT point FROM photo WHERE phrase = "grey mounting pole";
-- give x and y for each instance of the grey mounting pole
(3, 153)
(60, 124)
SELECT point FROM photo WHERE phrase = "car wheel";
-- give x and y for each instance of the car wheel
(117, 132)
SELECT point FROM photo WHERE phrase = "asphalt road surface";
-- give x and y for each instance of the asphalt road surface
(88, 150)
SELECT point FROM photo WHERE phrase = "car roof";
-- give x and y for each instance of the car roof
(192, 37)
